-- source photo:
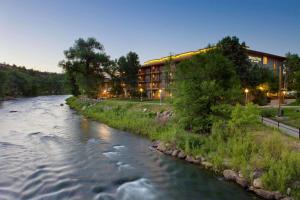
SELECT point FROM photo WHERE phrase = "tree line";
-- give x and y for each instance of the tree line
(87, 67)
(18, 81)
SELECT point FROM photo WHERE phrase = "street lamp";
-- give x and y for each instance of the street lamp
(246, 93)
(160, 96)
(283, 98)
(141, 91)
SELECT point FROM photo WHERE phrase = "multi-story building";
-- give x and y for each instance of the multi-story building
(156, 79)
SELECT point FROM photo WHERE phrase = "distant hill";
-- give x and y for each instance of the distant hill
(18, 81)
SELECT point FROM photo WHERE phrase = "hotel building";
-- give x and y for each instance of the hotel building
(156, 79)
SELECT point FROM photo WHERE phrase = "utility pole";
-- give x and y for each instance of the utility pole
(279, 91)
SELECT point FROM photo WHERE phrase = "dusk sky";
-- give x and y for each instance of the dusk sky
(35, 33)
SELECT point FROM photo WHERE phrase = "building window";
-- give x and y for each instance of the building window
(265, 60)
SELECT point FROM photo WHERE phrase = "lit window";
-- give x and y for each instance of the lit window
(265, 60)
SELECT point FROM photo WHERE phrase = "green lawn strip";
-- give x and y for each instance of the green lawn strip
(296, 103)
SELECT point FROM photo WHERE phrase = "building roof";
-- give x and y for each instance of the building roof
(265, 54)
(189, 54)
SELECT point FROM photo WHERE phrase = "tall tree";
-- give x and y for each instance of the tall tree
(292, 66)
(85, 62)
(129, 67)
(297, 84)
(203, 84)
(235, 51)
(71, 76)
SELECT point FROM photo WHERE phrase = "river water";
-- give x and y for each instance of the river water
(47, 151)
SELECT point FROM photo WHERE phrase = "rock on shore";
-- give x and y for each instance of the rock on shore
(229, 175)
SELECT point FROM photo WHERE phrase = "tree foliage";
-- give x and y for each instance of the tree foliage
(84, 65)
(292, 67)
(297, 84)
(19, 81)
(204, 85)
(236, 52)
(128, 67)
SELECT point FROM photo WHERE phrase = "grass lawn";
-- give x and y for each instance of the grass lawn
(291, 116)
(145, 100)
(296, 103)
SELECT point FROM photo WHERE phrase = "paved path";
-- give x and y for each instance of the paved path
(289, 130)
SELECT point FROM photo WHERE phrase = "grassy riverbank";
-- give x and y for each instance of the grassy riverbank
(247, 149)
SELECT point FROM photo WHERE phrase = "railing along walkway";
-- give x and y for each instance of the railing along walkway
(289, 130)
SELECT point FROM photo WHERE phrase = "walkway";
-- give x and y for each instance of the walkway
(289, 130)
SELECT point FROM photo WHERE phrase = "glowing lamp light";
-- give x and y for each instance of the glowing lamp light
(246, 90)
(160, 90)
(141, 90)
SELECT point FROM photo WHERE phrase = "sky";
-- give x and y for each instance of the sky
(34, 33)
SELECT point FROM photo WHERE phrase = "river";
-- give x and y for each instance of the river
(47, 151)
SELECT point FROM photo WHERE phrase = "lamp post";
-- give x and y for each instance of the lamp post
(160, 96)
(283, 96)
(141, 91)
(246, 95)
(279, 92)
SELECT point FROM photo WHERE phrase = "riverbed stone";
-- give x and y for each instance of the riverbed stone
(288, 192)
(161, 147)
(200, 158)
(287, 198)
(191, 159)
(278, 195)
(263, 193)
(241, 174)
(230, 175)
(155, 144)
(207, 164)
(257, 183)
(175, 152)
(242, 182)
(169, 152)
(181, 155)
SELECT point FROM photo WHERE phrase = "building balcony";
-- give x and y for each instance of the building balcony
(155, 72)
(155, 80)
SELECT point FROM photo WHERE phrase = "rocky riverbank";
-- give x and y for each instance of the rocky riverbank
(258, 158)
(229, 175)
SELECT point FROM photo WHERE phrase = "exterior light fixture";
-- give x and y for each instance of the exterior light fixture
(160, 96)
(141, 91)
(246, 95)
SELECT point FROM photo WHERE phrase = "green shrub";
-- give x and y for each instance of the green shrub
(244, 116)
(260, 97)
(268, 112)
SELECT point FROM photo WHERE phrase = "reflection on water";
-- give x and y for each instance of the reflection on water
(104, 133)
(47, 151)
